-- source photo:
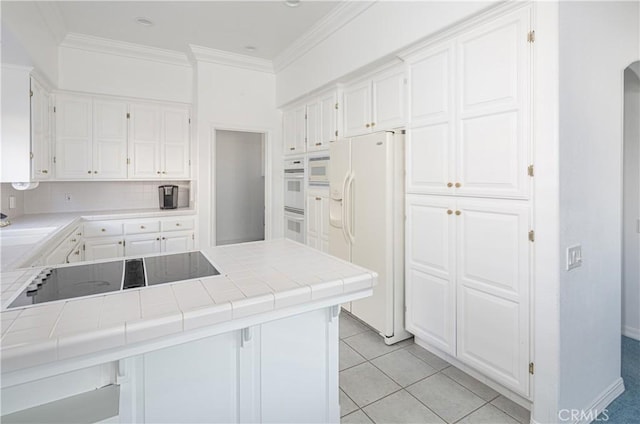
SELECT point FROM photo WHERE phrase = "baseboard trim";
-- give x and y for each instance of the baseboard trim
(631, 332)
(602, 401)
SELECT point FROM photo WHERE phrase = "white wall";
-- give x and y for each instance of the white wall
(239, 187)
(631, 208)
(5, 191)
(379, 31)
(106, 73)
(598, 40)
(28, 40)
(49, 197)
(230, 98)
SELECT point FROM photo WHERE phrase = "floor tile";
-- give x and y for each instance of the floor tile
(445, 397)
(357, 417)
(365, 384)
(403, 367)
(428, 357)
(347, 406)
(477, 387)
(349, 357)
(370, 345)
(401, 407)
(350, 327)
(512, 408)
(488, 414)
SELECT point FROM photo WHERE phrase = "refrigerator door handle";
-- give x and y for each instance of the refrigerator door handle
(348, 208)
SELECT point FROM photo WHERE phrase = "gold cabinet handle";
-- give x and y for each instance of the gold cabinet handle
(164, 238)
(373, 124)
(120, 242)
(44, 171)
(449, 212)
(318, 198)
(73, 240)
(95, 172)
(368, 125)
(158, 238)
(158, 172)
(458, 212)
(103, 229)
(449, 184)
(292, 148)
(88, 172)
(142, 227)
(164, 172)
(177, 224)
(458, 185)
(318, 144)
(78, 234)
(77, 252)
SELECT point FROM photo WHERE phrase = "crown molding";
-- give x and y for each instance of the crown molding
(52, 17)
(121, 48)
(338, 17)
(221, 57)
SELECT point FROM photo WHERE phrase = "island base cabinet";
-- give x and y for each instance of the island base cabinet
(283, 371)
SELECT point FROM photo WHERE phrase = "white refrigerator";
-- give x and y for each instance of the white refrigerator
(366, 223)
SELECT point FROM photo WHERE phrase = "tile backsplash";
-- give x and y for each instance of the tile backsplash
(52, 197)
(6, 191)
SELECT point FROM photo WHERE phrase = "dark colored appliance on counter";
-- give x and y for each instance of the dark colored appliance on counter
(168, 196)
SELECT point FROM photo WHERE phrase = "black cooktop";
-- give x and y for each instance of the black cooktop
(91, 279)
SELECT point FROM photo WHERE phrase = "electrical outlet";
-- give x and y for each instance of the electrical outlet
(574, 256)
(12, 202)
(67, 197)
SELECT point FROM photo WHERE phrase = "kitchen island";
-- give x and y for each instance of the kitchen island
(257, 343)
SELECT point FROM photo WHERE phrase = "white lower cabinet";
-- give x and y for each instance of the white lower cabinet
(103, 248)
(177, 242)
(142, 244)
(318, 220)
(467, 287)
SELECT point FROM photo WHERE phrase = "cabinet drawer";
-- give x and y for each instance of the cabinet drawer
(142, 227)
(178, 224)
(102, 228)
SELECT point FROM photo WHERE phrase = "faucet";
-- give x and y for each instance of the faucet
(3, 220)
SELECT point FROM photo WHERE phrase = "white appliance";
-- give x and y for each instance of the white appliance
(366, 223)
(319, 171)
(294, 199)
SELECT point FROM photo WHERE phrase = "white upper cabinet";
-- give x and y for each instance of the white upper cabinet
(91, 138)
(322, 122)
(294, 123)
(469, 130)
(109, 139)
(375, 103)
(158, 141)
(74, 137)
(41, 164)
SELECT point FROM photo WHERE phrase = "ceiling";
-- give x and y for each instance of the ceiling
(269, 26)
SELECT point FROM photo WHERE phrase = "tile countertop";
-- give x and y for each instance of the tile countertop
(28, 234)
(256, 278)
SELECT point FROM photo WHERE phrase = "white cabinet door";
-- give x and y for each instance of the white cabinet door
(178, 242)
(74, 155)
(141, 245)
(312, 217)
(493, 289)
(144, 141)
(294, 121)
(430, 154)
(103, 248)
(175, 143)
(76, 254)
(430, 274)
(357, 109)
(109, 139)
(314, 126)
(40, 132)
(324, 217)
(388, 100)
(493, 130)
(329, 118)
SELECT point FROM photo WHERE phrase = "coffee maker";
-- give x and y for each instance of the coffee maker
(168, 196)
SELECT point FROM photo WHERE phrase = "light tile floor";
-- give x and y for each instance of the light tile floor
(404, 383)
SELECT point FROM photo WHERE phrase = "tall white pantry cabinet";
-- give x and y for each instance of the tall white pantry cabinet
(468, 205)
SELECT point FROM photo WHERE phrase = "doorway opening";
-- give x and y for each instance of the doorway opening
(239, 187)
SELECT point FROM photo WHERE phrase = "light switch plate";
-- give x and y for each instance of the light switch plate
(574, 256)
